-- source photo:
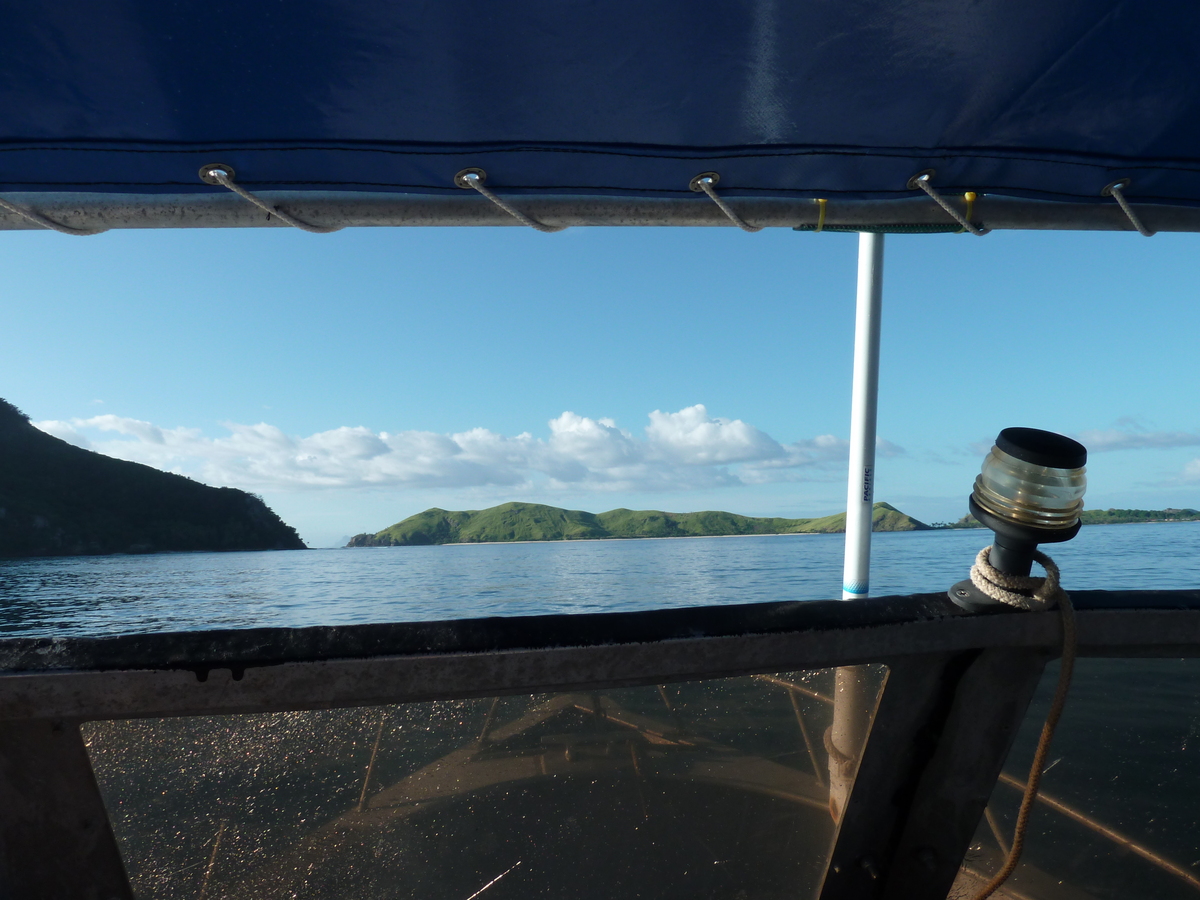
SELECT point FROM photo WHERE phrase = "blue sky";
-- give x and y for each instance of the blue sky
(356, 378)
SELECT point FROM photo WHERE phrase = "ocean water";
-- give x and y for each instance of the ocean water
(186, 591)
(1126, 752)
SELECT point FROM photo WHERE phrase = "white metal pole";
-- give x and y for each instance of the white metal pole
(852, 703)
(860, 493)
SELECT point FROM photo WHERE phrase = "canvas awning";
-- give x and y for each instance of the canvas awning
(602, 112)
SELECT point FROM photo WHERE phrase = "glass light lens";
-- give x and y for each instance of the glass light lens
(1029, 494)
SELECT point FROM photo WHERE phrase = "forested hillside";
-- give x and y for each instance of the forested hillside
(535, 522)
(58, 500)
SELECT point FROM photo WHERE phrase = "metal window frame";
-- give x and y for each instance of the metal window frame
(958, 686)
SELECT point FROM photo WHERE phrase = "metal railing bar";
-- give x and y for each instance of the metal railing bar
(913, 624)
(338, 209)
(808, 744)
(1111, 834)
(994, 825)
(212, 860)
(1007, 891)
(795, 688)
(189, 677)
(362, 797)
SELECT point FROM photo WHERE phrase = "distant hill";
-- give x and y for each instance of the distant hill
(60, 500)
(1109, 517)
(535, 522)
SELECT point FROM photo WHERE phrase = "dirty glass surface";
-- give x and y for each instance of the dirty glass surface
(1118, 814)
(710, 789)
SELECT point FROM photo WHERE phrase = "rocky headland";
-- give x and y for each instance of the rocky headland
(57, 499)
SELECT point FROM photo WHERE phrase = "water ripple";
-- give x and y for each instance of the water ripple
(196, 591)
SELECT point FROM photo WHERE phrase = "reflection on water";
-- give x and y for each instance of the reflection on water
(1123, 785)
(180, 592)
(707, 789)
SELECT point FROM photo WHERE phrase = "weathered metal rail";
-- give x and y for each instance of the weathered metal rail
(258, 670)
(347, 209)
(958, 686)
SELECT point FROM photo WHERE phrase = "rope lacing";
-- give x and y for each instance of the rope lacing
(475, 178)
(922, 181)
(38, 219)
(1030, 593)
(707, 181)
(222, 175)
(1116, 191)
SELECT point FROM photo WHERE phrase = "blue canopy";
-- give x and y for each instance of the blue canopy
(812, 98)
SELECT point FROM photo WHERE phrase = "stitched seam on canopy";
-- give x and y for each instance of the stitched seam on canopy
(1044, 156)
(799, 193)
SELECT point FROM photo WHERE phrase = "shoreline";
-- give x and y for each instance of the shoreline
(678, 537)
(606, 540)
(609, 540)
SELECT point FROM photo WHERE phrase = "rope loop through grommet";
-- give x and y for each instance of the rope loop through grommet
(707, 182)
(219, 173)
(821, 204)
(1026, 592)
(475, 179)
(922, 180)
(38, 219)
(1030, 593)
(1116, 191)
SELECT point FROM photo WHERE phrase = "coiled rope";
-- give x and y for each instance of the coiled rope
(1030, 593)
(38, 219)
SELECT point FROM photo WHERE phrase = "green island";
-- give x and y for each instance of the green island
(535, 522)
(1104, 517)
(57, 499)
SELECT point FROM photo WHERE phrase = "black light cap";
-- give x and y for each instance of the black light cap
(1042, 448)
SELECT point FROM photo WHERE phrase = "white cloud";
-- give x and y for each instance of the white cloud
(1127, 433)
(691, 437)
(65, 431)
(1102, 440)
(681, 450)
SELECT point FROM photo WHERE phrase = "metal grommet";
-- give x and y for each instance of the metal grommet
(694, 184)
(224, 167)
(1120, 184)
(926, 174)
(461, 178)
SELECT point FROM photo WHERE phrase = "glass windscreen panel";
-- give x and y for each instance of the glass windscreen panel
(716, 788)
(1118, 813)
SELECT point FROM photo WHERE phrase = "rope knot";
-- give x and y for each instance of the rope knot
(1028, 592)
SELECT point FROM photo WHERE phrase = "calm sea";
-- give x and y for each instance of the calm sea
(182, 591)
(1127, 750)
